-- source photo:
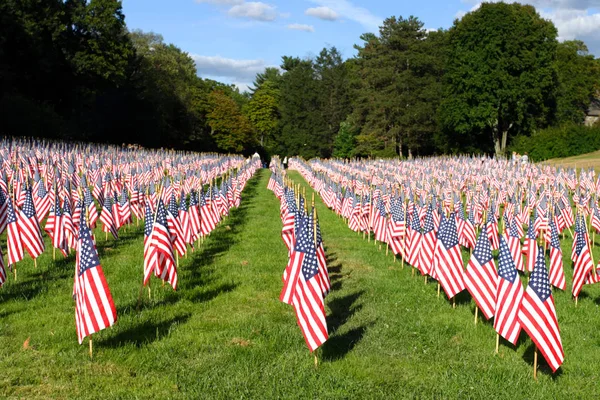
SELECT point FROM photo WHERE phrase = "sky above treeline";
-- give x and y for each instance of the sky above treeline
(232, 40)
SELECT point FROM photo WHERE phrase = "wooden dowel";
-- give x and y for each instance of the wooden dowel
(535, 359)
(497, 342)
(91, 349)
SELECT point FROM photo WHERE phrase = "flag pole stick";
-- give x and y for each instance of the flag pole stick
(497, 342)
(476, 313)
(438, 290)
(91, 349)
(454, 302)
(535, 361)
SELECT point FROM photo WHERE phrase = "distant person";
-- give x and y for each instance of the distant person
(285, 163)
(524, 158)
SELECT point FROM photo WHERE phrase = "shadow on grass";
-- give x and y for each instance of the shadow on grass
(338, 346)
(342, 309)
(145, 333)
(37, 282)
(220, 241)
(542, 364)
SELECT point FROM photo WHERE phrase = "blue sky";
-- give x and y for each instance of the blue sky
(232, 40)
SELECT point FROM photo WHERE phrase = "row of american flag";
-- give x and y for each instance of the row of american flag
(418, 208)
(181, 197)
(305, 277)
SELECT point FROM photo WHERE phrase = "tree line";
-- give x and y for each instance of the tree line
(71, 70)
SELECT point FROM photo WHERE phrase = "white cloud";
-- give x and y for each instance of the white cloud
(354, 13)
(301, 27)
(325, 13)
(254, 10)
(221, 2)
(574, 19)
(572, 23)
(234, 69)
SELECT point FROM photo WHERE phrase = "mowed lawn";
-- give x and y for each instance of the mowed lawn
(585, 161)
(225, 334)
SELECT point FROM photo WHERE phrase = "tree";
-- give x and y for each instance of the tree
(271, 74)
(399, 73)
(501, 76)
(579, 81)
(231, 130)
(345, 141)
(302, 127)
(263, 111)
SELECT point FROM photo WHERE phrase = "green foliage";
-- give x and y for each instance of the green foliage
(579, 77)
(345, 141)
(557, 142)
(500, 75)
(314, 100)
(263, 112)
(398, 86)
(230, 129)
(69, 69)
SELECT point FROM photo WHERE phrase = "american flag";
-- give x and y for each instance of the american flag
(3, 208)
(287, 231)
(481, 278)
(449, 269)
(195, 225)
(492, 229)
(184, 219)
(397, 227)
(322, 259)
(94, 306)
(530, 246)
(537, 315)
(70, 233)
(175, 227)
(355, 215)
(208, 221)
(29, 228)
(380, 222)
(160, 243)
(513, 239)
(107, 218)
(509, 295)
(149, 255)
(583, 261)
(41, 202)
(14, 244)
(414, 241)
(428, 239)
(90, 206)
(307, 295)
(557, 273)
(124, 208)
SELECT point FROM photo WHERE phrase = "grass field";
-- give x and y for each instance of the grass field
(224, 333)
(588, 160)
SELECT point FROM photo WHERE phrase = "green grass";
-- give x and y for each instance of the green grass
(225, 334)
(588, 160)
